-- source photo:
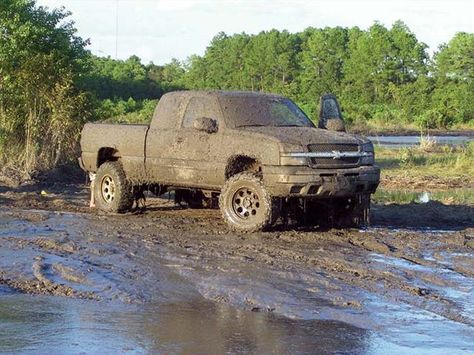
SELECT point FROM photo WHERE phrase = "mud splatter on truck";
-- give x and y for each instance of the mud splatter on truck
(257, 156)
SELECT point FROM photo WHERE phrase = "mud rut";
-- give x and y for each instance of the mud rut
(365, 278)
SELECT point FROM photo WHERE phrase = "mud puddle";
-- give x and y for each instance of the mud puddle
(59, 325)
(175, 281)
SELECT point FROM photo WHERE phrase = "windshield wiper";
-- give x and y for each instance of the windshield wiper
(288, 125)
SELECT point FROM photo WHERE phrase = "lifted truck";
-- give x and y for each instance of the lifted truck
(257, 154)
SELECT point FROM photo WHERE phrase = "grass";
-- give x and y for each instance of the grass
(428, 160)
(446, 173)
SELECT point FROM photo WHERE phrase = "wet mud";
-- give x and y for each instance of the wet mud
(407, 281)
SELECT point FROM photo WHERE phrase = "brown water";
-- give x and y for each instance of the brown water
(55, 325)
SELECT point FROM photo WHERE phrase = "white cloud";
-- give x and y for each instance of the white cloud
(159, 30)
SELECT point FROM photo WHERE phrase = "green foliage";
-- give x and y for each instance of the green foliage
(381, 73)
(455, 60)
(41, 108)
(408, 158)
(323, 55)
(124, 90)
(263, 62)
(432, 118)
(453, 72)
(109, 78)
(129, 111)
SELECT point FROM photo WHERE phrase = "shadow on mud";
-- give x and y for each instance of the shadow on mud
(435, 216)
(429, 215)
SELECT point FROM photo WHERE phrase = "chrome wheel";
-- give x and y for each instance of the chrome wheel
(107, 187)
(245, 203)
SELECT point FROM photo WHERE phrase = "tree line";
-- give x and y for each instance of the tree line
(379, 74)
(50, 84)
(382, 76)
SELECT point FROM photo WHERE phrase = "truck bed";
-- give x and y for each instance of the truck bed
(128, 139)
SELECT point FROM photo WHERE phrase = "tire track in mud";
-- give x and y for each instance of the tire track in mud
(398, 285)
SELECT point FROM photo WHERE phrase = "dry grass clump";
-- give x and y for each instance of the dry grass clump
(427, 143)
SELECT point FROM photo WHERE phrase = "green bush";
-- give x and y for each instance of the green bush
(129, 111)
(432, 118)
(42, 107)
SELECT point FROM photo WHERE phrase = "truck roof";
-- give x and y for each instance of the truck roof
(220, 93)
(172, 104)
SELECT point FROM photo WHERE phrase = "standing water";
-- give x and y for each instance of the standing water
(408, 141)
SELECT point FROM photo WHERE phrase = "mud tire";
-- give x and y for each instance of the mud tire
(122, 199)
(361, 212)
(265, 214)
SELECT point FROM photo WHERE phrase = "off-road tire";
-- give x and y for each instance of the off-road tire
(361, 212)
(113, 193)
(257, 196)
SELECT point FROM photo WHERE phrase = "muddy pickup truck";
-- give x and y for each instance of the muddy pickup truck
(257, 156)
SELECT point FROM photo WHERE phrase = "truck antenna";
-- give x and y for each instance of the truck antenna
(116, 27)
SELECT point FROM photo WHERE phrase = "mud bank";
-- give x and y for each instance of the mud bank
(405, 284)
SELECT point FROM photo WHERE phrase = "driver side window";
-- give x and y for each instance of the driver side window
(199, 107)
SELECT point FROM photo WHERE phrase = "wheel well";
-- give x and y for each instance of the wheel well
(107, 154)
(240, 163)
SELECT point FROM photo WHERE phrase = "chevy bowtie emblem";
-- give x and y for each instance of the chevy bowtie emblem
(337, 154)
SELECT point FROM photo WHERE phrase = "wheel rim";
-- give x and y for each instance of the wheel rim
(107, 187)
(246, 203)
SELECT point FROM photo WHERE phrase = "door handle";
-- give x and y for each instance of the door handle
(179, 140)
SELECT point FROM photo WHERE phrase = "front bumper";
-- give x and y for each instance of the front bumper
(289, 181)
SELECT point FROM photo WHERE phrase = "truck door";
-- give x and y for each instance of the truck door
(160, 158)
(198, 151)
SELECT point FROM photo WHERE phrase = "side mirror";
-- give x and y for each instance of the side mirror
(330, 116)
(205, 124)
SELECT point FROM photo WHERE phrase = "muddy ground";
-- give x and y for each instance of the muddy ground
(409, 277)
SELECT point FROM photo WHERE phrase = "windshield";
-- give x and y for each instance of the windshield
(245, 111)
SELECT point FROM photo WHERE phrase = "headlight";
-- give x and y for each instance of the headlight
(368, 147)
(287, 149)
(299, 161)
(369, 159)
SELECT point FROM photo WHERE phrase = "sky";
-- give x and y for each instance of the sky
(159, 30)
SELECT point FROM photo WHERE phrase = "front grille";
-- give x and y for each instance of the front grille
(345, 162)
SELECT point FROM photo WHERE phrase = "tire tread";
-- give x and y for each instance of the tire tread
(266, 199)
(124, 195)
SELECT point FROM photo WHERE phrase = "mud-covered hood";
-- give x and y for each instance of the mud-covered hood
(306, 135)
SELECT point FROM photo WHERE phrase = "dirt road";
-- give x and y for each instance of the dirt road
(409, 278)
